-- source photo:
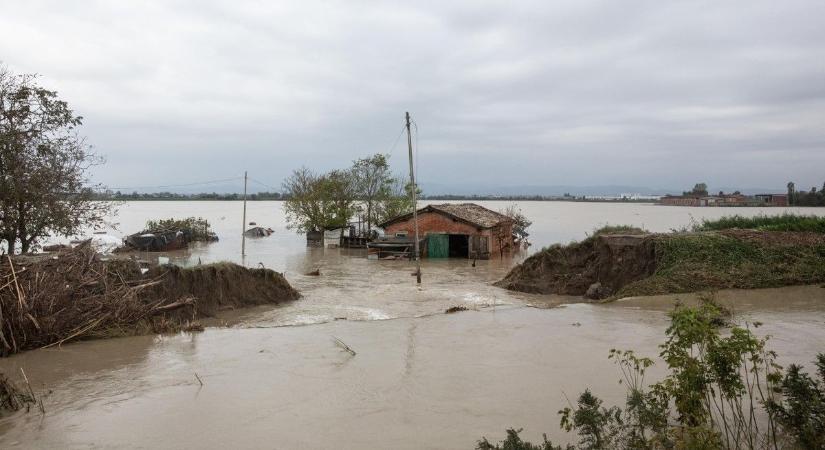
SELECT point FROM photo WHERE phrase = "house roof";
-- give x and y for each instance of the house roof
(471, 213)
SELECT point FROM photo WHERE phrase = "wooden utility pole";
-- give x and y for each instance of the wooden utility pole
(414, 204)
(243, 228)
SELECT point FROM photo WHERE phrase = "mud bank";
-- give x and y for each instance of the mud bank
(614, 265)
(77, 295)
(221, 286)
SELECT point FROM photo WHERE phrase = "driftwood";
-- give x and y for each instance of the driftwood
(341, 344)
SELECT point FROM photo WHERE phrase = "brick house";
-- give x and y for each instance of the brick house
(463, 230)
(680, 200)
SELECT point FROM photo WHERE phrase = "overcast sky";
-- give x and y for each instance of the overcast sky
(643, 93)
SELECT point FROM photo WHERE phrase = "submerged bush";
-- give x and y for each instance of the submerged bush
(722, 392)
(198, 227)
(618, 229)
(783, 222)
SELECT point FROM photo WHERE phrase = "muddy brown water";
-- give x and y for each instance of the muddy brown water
(274, 377)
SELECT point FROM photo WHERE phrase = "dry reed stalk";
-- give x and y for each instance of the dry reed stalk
(50, 301)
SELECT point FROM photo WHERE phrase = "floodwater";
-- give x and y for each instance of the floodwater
(420, 378)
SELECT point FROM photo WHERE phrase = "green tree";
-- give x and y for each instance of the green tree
(699, 189)
(318, 202)
(373, 184)
(397, 202)
(44, 166)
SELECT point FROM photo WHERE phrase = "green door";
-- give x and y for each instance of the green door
(438, 245)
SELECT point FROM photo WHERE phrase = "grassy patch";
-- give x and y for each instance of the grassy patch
(618, 229)
(696, 262)
(784, 222)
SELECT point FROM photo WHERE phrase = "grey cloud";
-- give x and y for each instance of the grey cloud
(639, 92)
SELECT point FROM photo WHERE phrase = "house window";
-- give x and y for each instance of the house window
(401, 234)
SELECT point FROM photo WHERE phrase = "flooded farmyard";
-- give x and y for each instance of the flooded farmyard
(273, 376)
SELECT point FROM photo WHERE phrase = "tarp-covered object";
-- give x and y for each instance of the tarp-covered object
(258, 232)
(159, 241)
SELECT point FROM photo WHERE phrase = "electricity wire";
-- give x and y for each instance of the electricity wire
(199, 183)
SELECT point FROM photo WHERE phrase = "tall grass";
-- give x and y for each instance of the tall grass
(783, 222)
(694, 262)
(618, 229)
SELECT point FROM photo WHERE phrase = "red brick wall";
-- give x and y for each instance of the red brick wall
(432, 223)
(441, 224)
(500, 239)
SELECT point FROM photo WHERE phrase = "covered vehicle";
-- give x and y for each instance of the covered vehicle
(158, 241)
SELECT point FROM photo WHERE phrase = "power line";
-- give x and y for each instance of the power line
(417, 151)
(177, 185)
(397, 138)
(263, 184)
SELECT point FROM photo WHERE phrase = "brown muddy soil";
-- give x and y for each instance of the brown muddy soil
(623, 265)
(222, 286)
(611, 260)
(776, 238)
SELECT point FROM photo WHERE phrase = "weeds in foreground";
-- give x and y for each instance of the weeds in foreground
(693, 262)
(723, 391)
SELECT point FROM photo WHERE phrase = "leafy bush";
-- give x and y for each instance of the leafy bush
(514, 442)
(783, 222)
(197, 227)
(802, 414)
(710, 399)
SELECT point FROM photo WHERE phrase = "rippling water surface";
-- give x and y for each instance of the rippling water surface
(420, 378)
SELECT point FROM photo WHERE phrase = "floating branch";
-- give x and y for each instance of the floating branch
(341, 344)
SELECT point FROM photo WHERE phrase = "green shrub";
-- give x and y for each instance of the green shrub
(802, 413)
(723, 391)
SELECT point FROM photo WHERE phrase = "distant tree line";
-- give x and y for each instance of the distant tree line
(136, 196)
(532, 198)
(806, 198)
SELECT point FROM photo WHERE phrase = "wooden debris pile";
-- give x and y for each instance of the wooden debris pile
(51, 300)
